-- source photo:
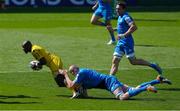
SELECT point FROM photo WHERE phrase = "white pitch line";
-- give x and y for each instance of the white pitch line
(94, 69)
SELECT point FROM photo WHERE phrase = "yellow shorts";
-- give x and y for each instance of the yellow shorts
(55, 64)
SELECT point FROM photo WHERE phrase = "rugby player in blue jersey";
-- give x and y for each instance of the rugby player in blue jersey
(103, 10)
(88, 78)
(125, 45)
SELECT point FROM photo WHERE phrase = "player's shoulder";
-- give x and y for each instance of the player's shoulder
(82, 70)
(128, 18)
(85, 71)
(126, 14)
(36, 48)
(81, 73)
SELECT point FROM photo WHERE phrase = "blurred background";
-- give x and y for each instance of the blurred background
(83, 5)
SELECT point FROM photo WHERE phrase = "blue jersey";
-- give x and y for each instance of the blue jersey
(123, 24)
(91, 79)
(106, 4)
(104, 10)
(124, 45)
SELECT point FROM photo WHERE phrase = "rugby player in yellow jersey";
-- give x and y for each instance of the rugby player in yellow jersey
(45, 58)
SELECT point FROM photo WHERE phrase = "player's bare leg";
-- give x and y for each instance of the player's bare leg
(115, 65)
(111, 32)
(135, 61)
(95, 21)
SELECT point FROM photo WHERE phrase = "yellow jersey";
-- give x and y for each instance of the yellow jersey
(52, 61)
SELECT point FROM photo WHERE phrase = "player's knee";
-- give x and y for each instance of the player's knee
(132, 61)
(109, 27)
(115, 60)
(123, 97)
(93, 21)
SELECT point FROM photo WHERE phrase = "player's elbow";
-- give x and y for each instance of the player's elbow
(135, 28)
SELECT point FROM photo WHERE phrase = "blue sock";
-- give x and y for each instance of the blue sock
(112, 37)
(153, 82)
(103, 24)
(135, 91)
(155, 67)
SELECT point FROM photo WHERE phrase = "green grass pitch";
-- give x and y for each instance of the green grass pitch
(71, 36)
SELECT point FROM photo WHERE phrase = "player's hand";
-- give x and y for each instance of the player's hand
(120, 36)
(35, 65)
(63, 72)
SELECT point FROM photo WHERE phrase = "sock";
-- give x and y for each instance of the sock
(103, 24)
(155, 67)
(135, 91)
(153, 82)
(112, 37)
(152, 65)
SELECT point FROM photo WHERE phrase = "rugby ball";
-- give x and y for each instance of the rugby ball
(34, 64)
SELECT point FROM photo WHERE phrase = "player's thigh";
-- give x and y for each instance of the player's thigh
(95, 18)
(129, 51)
(107, 16)
(97, 15)
(113, 84)
(118, 52)
(132, 58)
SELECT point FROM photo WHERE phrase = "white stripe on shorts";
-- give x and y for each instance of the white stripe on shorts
(130, 55)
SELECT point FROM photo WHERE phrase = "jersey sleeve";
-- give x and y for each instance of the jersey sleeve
(129, 20)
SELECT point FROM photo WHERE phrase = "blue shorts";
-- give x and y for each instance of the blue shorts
(121, 49)
(112, 83)
(105, 13)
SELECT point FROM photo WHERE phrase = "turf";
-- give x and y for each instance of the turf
(73, 38)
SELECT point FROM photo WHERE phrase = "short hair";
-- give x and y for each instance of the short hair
(72, 67)
(122, 4)
(26, 44)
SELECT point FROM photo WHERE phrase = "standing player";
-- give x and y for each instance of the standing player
(125, 45)
(103, 10)
(45, 58)
(92, 79)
